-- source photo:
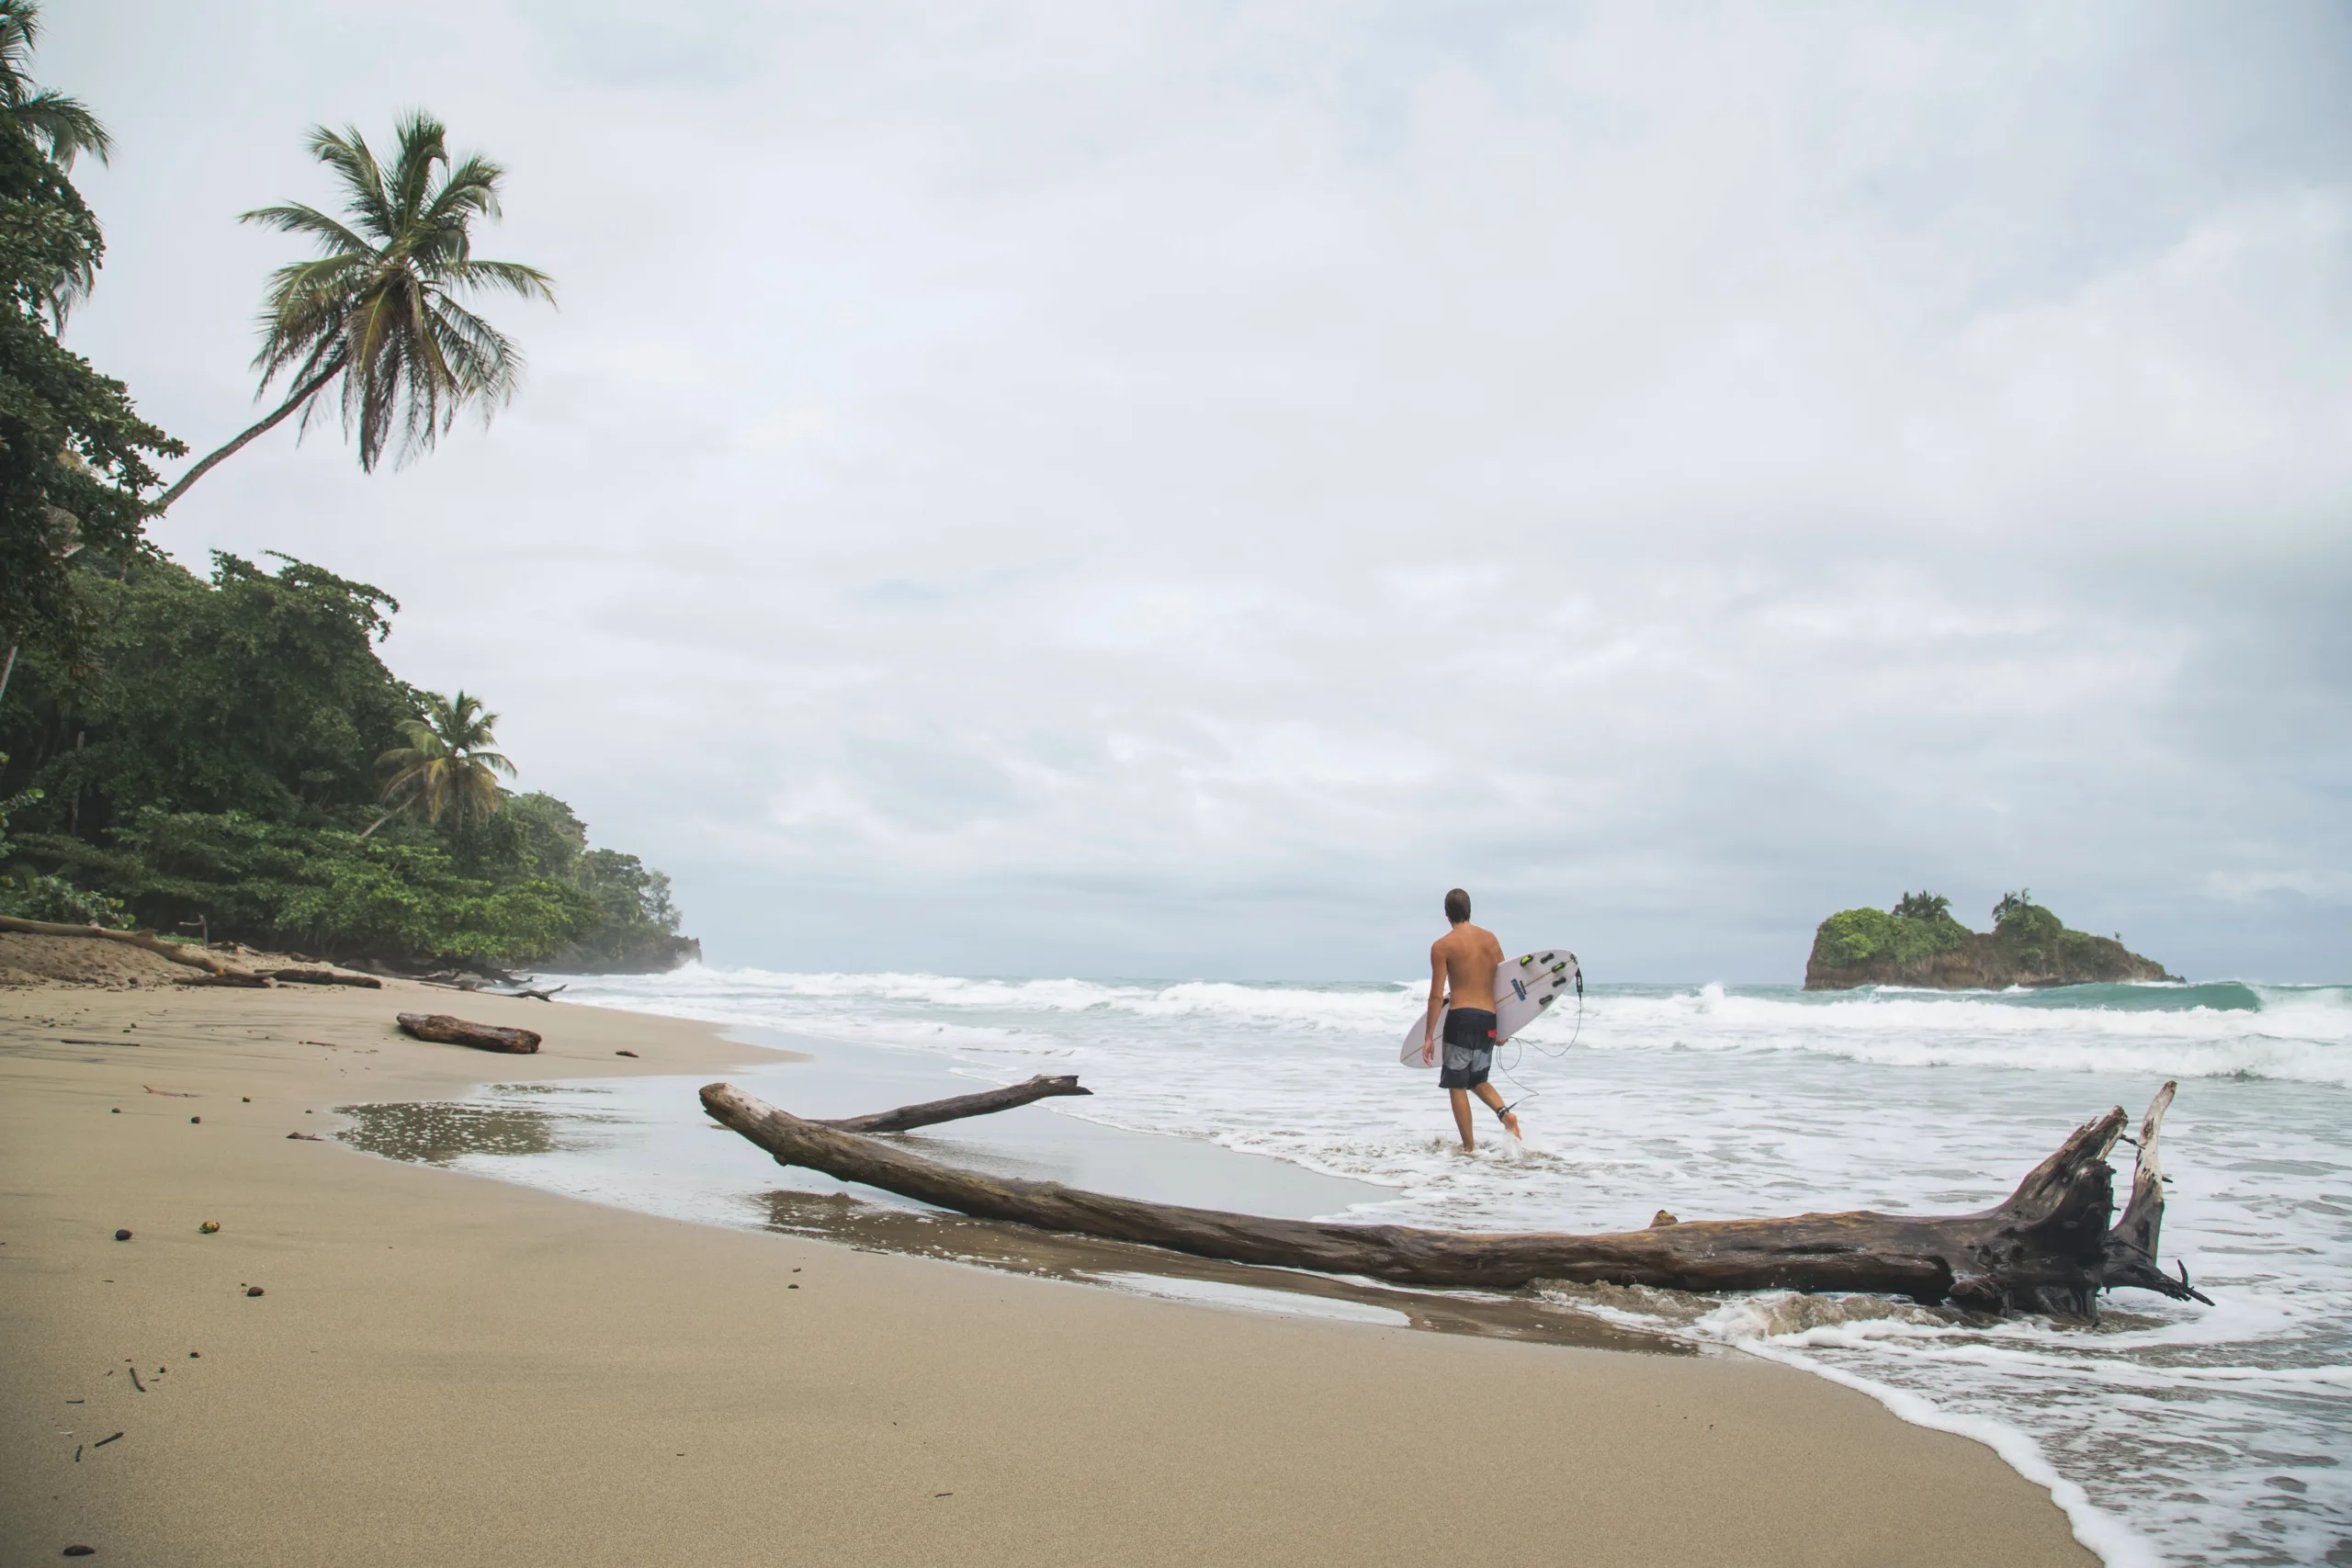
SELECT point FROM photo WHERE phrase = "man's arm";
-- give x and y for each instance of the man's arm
(1437, 1002)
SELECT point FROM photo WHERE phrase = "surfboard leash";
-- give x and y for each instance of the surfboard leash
(1518, 1046)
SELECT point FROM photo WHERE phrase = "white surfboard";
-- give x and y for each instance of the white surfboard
(1528, 987)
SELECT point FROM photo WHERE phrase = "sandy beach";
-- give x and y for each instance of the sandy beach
(442, 1367)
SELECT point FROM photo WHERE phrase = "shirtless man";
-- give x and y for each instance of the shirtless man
(1464, 959)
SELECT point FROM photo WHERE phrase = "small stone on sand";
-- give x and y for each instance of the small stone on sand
(253, 1290)
(122, 1236)
(208, 1227)
(81, 1552)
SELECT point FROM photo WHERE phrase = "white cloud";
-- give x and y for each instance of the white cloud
(1172, 488)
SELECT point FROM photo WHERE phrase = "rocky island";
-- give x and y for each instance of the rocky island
(1919, 943)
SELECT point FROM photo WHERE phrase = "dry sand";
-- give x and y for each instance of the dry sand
(444, 1369)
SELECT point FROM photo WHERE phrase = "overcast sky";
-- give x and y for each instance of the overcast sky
(1168, 489)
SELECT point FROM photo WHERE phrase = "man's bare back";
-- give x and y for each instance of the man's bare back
(1469, 955)
(1463, 964)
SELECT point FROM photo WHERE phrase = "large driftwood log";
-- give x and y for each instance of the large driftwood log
(178, 953)
(908, 1117)
(323, 977)
(2046, 1245)
(444, 1029)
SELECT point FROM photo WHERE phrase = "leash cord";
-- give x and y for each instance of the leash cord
(1517, 1049)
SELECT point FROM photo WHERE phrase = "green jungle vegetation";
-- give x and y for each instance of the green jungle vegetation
(229, 756)
(1921, 926)
(233, 757)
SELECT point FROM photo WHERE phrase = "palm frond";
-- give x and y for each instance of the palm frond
(512, 277)
(482, 360)
(333, 234)
(63, 125)
(422, 149)
(363, 179)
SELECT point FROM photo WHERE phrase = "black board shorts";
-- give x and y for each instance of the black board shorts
(1469, 1048)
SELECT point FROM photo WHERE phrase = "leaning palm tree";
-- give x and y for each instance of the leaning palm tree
(379, 308)
(446, 767)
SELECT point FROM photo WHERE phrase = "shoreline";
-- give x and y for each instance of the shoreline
(444, 1365)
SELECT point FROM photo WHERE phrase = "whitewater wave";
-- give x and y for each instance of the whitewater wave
(2228, 1029)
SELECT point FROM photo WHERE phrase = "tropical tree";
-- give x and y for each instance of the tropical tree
(446, 767)
(379, 310)
(61, 128)
(1922, 906)
(74, 452)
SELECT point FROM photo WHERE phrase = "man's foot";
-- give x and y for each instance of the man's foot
(1510, 1125)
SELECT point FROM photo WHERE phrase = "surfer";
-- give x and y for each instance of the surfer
(1463, 960)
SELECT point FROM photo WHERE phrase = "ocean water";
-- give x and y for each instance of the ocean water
(2171, 1432)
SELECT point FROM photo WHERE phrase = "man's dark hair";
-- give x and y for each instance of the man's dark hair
(1457, 905)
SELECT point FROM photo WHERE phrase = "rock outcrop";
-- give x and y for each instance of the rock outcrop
(1921, 944)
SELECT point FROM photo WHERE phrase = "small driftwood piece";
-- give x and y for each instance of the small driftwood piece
(323, 977)
(444, 1029)
(908, 1117)
(535, 993)
(225, 978)
(2046, 1246)
(178, 953)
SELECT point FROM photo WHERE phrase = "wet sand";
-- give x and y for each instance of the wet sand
(443, 1367)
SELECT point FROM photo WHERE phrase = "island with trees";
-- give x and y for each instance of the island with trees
(225, 756)
(1919, 943)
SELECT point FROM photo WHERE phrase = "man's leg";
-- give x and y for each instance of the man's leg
(1462, 1115)
(1485, 1091)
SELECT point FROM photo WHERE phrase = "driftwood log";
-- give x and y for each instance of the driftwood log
(2047, 1246)
(908, 1117)
(178, 953)
(323, 977)
(225, 978)
(444, 1029)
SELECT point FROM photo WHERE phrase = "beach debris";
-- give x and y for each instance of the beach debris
(194, 1357)
(226, 977)
(444, 1029)
(135, 1382)
(122, 1236)
(253, 1290)
(323, 977)
(115, 1109)
(102, 1442)
(77, 1453)
(624, 1053)
(78, 1551)
(2047, 1247)
(178, 953)
(171, 1093)
(533, 992)
(954, 1108)
(306, 1137)
(194, 1121)
(247, 1099)
(208, 1227)
(1662, 1217)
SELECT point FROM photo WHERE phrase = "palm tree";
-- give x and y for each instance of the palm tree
(54, 123)
(58, 123)
(379, 308)
(447, 765)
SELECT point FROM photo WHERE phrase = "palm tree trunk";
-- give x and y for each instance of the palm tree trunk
(302, 394)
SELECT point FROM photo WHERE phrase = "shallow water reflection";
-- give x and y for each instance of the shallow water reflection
(444, 1133)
